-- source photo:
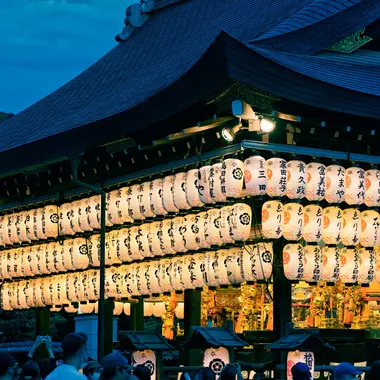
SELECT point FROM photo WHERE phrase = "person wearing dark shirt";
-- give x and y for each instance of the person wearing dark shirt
(8, 367)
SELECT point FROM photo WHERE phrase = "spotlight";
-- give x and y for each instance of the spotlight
(267, 125)
(230, 133)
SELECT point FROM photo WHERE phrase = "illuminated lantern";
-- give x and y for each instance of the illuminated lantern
(272, 219)
(277, 175)
(38, 223)
(293, 221)
(177, 231)
(166, 274)
(84, 211)
(7, 224)
(255, 175)
(65, 226)
(180, 310)
(316, 181)
(133, 200)
(123, 245)
(200, 222)
(146, 358)
(22, 289)
(369, 236)
(43, 259)
(74, 217)
(349, 265)
(293, 257)
(58, 254)
(144, 241)
(19, 263)
(156, 194)
(75, 287)
(79, 253)
(37, 289)
(296, 179)
(93, 246)
(216, 359)
(51, 257)
(12, 229)
(331, 264)
(168, 194)
(367, 267)
(335, 184)
(192, 184)
(204, 184)
(234, 272)
(212, 228)
(313, 223)
(127, 309)
(372, 193)
(5, 297)
(21, 227)
(220, 267)
(240, 221)
(209, 271)
(177, 273)
(256, 262)
(192, 275)
(167, 241)
(189, 232)
(113, 248)
(130, 280)
(179, 192)
(12, 296)
(224, 225)
(1, 231)
(61, 286)
(24, 265)
(114, 208)
(118, 308)
(139, 274)
(332, 225)
(145, 207)
(133, 244)
(113, 279)
(159, 309)
(351, 227)
(35, 264)
(28, 226)
(93, 283)
(232, 177)
(295, 357)
(4, 265)
(154, 275)
(313, 263)
(47, 291)
(71, 309)
(27, 260)
(156, 243)
(146, 288)
(68, 248)
(87, 308)
(50, 219)
(93, 212)
(216, 184)
(355, 186)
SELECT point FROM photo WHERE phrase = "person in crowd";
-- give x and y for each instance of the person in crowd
(205, 373)
(93, 370)
(346, 371)
(8, 367)
(74, 347)
(374, 373)
(142, 372)
(46, 366)
(231, 372)
(300, 371)
(30, 371)
(116, 367)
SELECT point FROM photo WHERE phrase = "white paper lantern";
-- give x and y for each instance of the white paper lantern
(112, 285)
(355, 186)
(177, 237)
(124, 205)
(367, 265)
(27, 260)
(220, 267)
(331, 264)
(87, 308)
(36, 222)
(316, 181)
(313, 263)
(133, 200)
(79, 253)
(166, 275)
(332, 225)
(44, 258)
(62, 291)
(159, 309)
(47, 291)
(277, 177)
(192, 184)
(256, 262)
(113, 248)
(192, 275)
(313, 223)
(114, 209)
(34, 263)
(225, 225)
(216, 184)
(124, 238)
(146, 358)
(93, 246)
(350, 265)
(28, 226)
(232, 177)
(180, 310)
(177, 273)
(12, 296)
(75, 216)
(351, 227)
(2, 243)
(372, 193)
(296, 179)
(272, 219)
(156, 243)
(127, 309)
(167, 238)
(148, 309)
(146, 288)
(216, 359)
(144, 199)
(293, 221)
(39, 223)
(255, 175)
(335, 184)
(294, 261)
(93, 212)
(212, 227)
(22, 289)
(201, 220)
(37, 289)
(130, 281)
(179, 192)
(295, 357)
(20, 227)
(5, 297)
(154, 275)
(209, 271)
(156, 197)
(168, 194)
(65, 214)
(133, 244)
(143, 240)
(7, 234)
(20, 263)
(50, 219)
(83, 214)
(189, 232)
(93, 283)
(240, 221)
(370, 221)
(13, 229)
(204, 184)
(68, 250)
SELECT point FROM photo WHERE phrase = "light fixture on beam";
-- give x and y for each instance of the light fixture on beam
(229, 133)
(267, 125)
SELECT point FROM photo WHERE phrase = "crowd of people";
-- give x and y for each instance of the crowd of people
(76, 365)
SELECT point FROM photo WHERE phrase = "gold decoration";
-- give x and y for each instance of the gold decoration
(351, 43)
(168, 317)
(247, 319)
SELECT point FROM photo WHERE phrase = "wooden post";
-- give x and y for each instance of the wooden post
(159, 365)
(108, 326)
(42, 329)
(137, 315)
(193, 301)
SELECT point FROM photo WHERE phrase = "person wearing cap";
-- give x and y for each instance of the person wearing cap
(346, 371)
(8, 366)
(116, 367)
(301, 371)
(93, 370)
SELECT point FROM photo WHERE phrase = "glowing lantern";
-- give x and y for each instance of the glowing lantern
(42, 258)
(12, 296)
(293, 221)
(332, 225)
(192, 275)
(133, 245)
(74, 217)
(22, 296)
(7, 235)
(256, 262)
(156, 243)
(48, 291)
(83, 214)
(93, 246)
(192, 184)
(372, 193)
(21, 227)
(179, 192)
(87, 308)
(18, 261)
(12, 228)
(293, 257)
(93, 212)
(204, 184)
(316, 181)
(232, 177)
(114, 208)
(65, 214)
(370, 221)
(350, 265)
(124, 205)
(189, 232)
(130, 280)
(277, 175)
(79, 253)
(240, 221)
(159, 309)
(313, 223)
(272, 219)
(331, 264)
(133, 200)
(146, 358)
(1, 231)
(255, 175)
(351, 227)
(113, 279)
(71, 309)
(209, 271)
(37, 289)
(28, 226)
(123, 244)
(118, 308)
(335, 184)
(367, 267)
(295, 357)
(168, 194)
(112, 248)
(146, 288)
(50, 219)
(127, 309)
(145, 207)
(27, 260)
(233, 262)
(93, 284)
(216, 184)
(5, 297)
(156, 193)
(180, 310)
(220, 267)
(296, 180)
(313, 263)
(68, 247)
(212, 228)
(62, 292)
(58, 254)
(224, 225)
(154, 275)
(177, 231)
(201, 220)
(355, 186)
(166, 275)
(144, 241)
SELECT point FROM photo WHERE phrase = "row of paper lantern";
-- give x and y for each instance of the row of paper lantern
(219, 268)
(215, 227)
(314, 224)
(312, 263)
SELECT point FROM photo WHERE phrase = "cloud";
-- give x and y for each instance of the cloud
(45, 43)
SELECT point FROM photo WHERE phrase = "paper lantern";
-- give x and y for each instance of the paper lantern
(256, 262)
(35, 260)
(332, 225)
(133, 200)
(143, 240)
(335, 184)
(132, 244)
(154, 276)
(272, 219)
(12, 296)
(212, 227)
(189, 232)
(355, 186)
(225, 226)
(37, 292)
(295, 357)
(370, 221)
(293, 257)
(127, 309)
(159, 309)
(123, 244)
(204, 184)
(2, 243)
(47, 289)
(87, 308)
(177, 234)
(372, 193)
(71, 309)
(233, 262)
(93, 212)
(68, 252)
(146, 287)
(316, 181)
(7, 233)
(216, 184)
(350, 263)
(27, 259)
(65, 215)
(113, 279)
(19, 226)
(216, 359)
(201, 220)
(331, 264)
(177, 273)
(93, 283)
(180, 310)
(118, 308)
(84, 208)
(293, 221)
(75, 214)
(22, 289)
(240, 222)
(367, 265)
(220, 267)
(179, 192)
(255, 175)
(124, 205)
(50, 219)
(43, 258)
(296, 179)
(277, 177)
(232, 177)
(351, 227)
(28, 226)
(146, 358)
(156, 242)
(166, 232)
(156, 194)
(79, 253)
(313, 223)
(112, 248)
(75, 287)
(313, 263)
(114, 209)
(145, 206)
(13, 228)
(192, 184)
(168, 194)
(18, 262)
(166, 275)
(93, 246)
(209, 271)
(192, 274)
(5, 297)
(130, 281)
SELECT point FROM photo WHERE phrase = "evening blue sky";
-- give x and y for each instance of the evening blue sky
(45, 43)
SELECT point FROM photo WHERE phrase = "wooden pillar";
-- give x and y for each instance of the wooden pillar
(108, 326)
(137, 315)
(159, 365)
(193, 300)
(42, 329)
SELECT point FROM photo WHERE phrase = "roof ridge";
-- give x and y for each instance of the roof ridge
(160, 4)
